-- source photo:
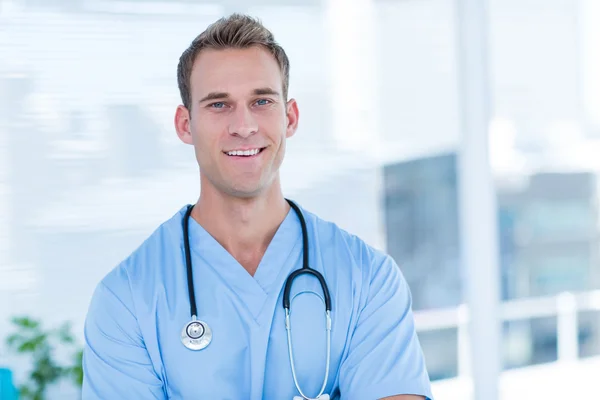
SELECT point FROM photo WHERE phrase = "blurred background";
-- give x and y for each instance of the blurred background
(90, 165)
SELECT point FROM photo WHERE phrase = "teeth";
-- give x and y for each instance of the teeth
(252, 152)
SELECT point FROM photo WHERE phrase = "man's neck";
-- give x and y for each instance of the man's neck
(244, 227)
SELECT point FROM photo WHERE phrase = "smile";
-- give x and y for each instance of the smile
(244, 153)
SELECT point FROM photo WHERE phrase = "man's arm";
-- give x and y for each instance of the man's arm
(385, 357)
(116, 364)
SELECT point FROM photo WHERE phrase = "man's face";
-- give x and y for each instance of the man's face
(238, 121)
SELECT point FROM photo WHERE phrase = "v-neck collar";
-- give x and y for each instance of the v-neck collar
(271, 271)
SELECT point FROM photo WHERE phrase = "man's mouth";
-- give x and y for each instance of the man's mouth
(244, 153)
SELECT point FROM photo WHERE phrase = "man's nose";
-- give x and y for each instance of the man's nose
(243, 123)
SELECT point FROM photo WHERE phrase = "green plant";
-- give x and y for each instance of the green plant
(32, 340)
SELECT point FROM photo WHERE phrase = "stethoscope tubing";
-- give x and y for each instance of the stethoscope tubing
(306, 269)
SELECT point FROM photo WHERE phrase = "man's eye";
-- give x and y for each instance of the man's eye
(262, 102)
(218, 104)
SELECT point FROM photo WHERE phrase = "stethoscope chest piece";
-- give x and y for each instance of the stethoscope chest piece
(196, 335)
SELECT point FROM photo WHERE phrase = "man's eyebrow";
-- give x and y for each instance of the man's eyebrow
(214, 96)
(223, 95)
(264, 91)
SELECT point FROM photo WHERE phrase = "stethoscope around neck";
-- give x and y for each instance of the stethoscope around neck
(197, 335)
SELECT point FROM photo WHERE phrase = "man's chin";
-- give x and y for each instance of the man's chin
(247, 191)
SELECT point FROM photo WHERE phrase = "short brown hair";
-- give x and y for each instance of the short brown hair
(236, 31)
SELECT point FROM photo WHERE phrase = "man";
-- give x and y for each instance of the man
(196, 311)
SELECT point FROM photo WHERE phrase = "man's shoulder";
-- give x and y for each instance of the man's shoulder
(147, 256)
(330, 235)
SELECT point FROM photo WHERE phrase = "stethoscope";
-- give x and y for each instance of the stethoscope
(196, 334)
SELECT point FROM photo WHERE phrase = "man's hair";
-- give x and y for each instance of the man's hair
(236, 31)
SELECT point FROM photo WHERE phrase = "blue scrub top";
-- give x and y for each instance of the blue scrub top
(133, 348)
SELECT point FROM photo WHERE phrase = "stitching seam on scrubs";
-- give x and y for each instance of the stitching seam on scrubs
(135, 315)
(362, 295)
(160, 376)
(109, 290)
(120, 329)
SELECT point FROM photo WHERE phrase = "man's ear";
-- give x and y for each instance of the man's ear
(292, 117)
(182, 124)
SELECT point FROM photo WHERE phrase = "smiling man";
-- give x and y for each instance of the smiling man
(245, 294)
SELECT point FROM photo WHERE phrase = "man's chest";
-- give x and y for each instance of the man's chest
(250, 358)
